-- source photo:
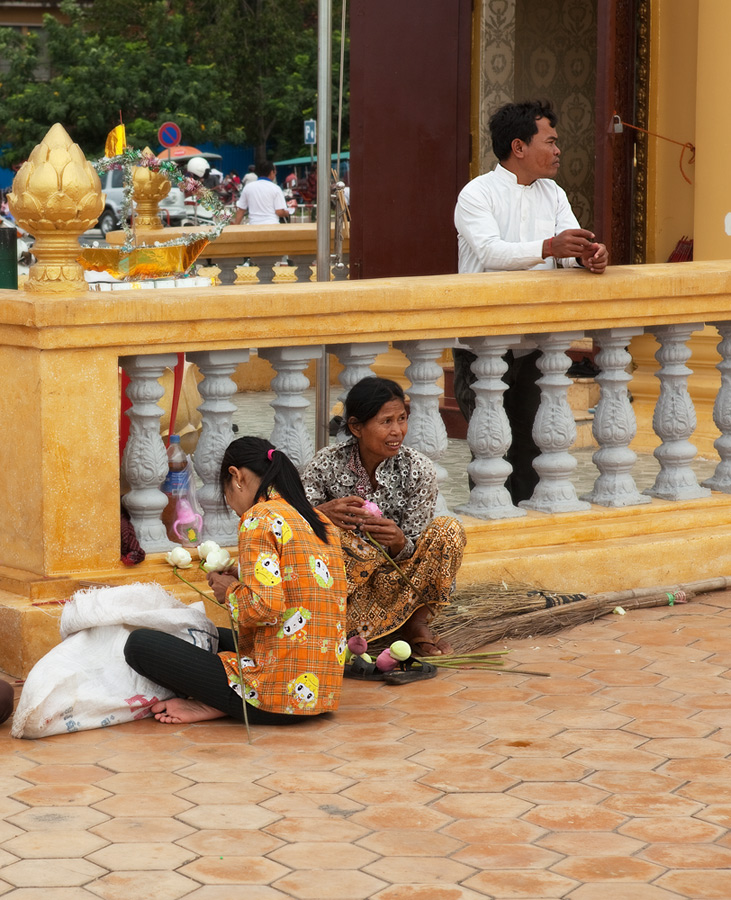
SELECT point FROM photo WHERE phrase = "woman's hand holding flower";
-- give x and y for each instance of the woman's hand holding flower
(220, 583)
(345, 512)
(386, 532)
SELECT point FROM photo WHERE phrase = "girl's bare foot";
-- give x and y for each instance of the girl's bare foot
(179, 711)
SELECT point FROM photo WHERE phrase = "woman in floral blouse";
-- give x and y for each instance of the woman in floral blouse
(288, 602)
(373, 466)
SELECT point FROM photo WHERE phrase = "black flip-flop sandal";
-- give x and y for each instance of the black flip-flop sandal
(412, 669)
(362, 670)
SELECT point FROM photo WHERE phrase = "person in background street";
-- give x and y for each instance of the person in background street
(250, 176)
(262, 199)
(516, 217)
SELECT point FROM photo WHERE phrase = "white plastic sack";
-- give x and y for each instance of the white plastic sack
(84, 682)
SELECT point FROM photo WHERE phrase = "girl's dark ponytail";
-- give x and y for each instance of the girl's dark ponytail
(276, 470)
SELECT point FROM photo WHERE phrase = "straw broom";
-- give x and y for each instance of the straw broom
(479, 617)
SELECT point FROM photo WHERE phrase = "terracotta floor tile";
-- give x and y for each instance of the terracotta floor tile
(575, 817)
(54, 818)
(431, 891)
(391, 790)
(298, 829)
(450, 755)
(586, 843)
(634, 782)
(698, 884)
(228, 771)
(411, 842)
(317, 884)
(608, 868)
(718, 813)
(711, 791)
(660, 695)
(687, 748)
(223, 892)
(557, 792)
(233, 870)
(581, 718)
(49, 873)
(32, 893)
(470, 806)
(521, 885)
(311, 803)
(59, 754)
(228, 815)
(601, 738)
(625, 677)
(311, 854)
(149, 856)
(54, 844)
(61, 795)
(696, 769)
(435, 723)
(672, 728)
(223, 754)
(221, 842)
(529, 747)
(360, 769)
(387, 816)
(137, 831)
(629, 892)
(689, 856)
(493, 831)
(148, 804)
(417, 870)
(617, 760)
(493, 856)
(567, 701)
(300, 759)
(533, 768)
(60, 774)
(466, 778)
(224, 792)
(136, 886)
(145, 761)
(499, 726)
(498, 694)
(672, 830)
(317, 782)
(143, 782)
(161, 741)
(649, 804)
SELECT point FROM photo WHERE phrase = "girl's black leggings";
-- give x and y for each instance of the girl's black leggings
(190, 671)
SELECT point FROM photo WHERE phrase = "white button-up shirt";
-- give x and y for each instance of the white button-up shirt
(502, 224)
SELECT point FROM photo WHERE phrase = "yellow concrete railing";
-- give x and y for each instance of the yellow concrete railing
(59, 416)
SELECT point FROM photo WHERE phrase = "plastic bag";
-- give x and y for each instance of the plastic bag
(85, 682)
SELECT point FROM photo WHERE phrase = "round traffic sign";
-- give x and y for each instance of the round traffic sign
(169, 134)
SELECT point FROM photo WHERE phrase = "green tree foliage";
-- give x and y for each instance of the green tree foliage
(225, 70)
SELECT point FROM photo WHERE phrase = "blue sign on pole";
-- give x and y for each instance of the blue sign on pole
(310, 131)
(169, 134)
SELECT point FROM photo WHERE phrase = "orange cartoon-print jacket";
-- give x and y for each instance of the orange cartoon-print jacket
(289, 606)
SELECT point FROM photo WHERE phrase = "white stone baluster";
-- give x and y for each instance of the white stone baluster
(357, 360)
(674, 419)
(614, 424)
(426, 429)
(290, 432)
(554, 429)
(721, 478)
(216, 389)
(489, 432)
(144, 461)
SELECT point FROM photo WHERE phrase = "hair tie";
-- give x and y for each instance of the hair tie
(270, 454)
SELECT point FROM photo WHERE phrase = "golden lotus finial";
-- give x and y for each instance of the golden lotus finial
(149, 189)
(56, 196)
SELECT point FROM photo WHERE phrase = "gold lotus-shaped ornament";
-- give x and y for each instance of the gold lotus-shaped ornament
(56, 197)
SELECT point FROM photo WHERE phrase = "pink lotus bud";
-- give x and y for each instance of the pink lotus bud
(357, 644)
(371, 508)
(385, 662)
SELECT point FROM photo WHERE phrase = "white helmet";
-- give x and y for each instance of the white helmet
(198, 166)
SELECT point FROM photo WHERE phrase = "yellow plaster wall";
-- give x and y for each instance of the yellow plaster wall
(673, 58)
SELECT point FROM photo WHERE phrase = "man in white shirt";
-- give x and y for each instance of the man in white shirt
(516, 217)
(262, 199)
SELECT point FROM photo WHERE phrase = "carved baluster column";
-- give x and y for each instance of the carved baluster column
(674, 418)
(216, 389)
(489, 432)
(554, 429)
(357, 359)
(290, 432)
(721, 478)
(614, 424)
(144, 461)
(426, 429)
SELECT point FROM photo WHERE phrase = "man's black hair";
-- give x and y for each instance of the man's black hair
(518, 120)
(264, 169)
